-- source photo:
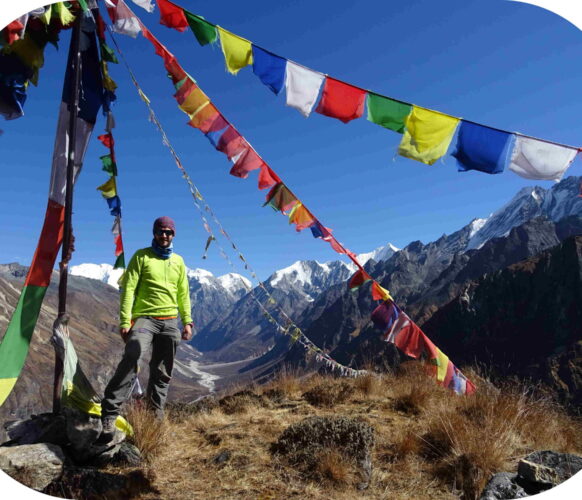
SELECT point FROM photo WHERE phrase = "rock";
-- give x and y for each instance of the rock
(120, 454)
(502, 486)
(548, 468)
(92, 484)
(34, 465)
(82, 429)
(302, 443)
(222, 457)
(43, 428)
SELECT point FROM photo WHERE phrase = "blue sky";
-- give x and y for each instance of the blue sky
(504, 64)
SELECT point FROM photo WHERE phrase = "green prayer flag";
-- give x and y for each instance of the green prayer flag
(119, 262)
(387, 112)
(109, 165)
(204, 32)
(108, 54)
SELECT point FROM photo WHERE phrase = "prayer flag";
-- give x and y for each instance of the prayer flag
(190, 98)
(204, 32)
(387, 113)
(170, 63)
(108, 189)
(267, 177)
(301, 217)
(106, 140)
(107, 53)
(237, 51)
(13, 31)
(119, 262)
(124, 20)
(109, 165)
(207, 119)
(442, 362)
(269, 68)
(379, 293)
(540, 160)
(145, 4)
(280, 198)
(247, 160)
(214, 136)
(302, 86)
(358, 279)
(172, 16)
(427, 136)
(231, 143)
(482, 148)
(341, 100)
(320, 231)
(114, 205)
(385, 315)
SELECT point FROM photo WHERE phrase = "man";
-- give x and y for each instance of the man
(154, 289)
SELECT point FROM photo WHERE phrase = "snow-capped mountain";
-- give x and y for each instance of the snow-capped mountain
(555, 203)
(101, 272)
(310, 277)
(381, 253)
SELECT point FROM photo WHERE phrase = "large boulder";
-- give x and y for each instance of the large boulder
(43, 428)
(34, 465)
(302, 444)
(545, 469)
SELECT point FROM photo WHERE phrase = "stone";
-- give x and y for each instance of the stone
(548, 468)
(89, 483)
(43, 428)
(303, 442)
(34, 465)
(222, 457)
(502, 486)
(120, 454)
(82, 429)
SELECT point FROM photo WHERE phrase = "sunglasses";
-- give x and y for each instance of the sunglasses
(167, 232)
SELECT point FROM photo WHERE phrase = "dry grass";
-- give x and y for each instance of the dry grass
(330, 392)
(149, 433)
(441, 446)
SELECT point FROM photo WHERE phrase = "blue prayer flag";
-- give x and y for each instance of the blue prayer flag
(114, 205)
(214, 137)
(482, 148)
(269, 68)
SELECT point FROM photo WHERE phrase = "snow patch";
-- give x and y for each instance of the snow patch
(233, 282)
(200, 275)
(101, 272)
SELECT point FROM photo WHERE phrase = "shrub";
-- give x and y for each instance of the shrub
(149, 432)
(329, 393)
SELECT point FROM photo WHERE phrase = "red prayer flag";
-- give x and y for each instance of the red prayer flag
(170, 63)
(231, 143)
(118, 245)
(358, 279)
(410, 339)
(247, 161)
(341, 100)
(107, 140)
(267, 177)
(172, 16)
(12, 31)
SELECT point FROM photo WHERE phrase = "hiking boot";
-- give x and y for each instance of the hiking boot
(108, 432)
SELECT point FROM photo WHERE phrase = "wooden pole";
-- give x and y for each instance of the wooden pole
(67, 232)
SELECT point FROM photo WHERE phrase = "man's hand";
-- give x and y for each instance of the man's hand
(124, 332)
(187, 332)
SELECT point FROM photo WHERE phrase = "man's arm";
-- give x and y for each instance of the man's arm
(130, 281)
(184, 303)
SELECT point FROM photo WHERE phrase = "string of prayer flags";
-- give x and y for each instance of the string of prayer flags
(302, 86)
(204, 32)
(269, 68)
(387, 112)
(118, 241)
(482, 148)
(172, 16)
(427, 136)
(237, 51)
(540, 160)
(341, 100)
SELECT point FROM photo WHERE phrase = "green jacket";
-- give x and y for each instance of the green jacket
(153, 286)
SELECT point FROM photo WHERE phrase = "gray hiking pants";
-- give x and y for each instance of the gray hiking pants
(163, 336)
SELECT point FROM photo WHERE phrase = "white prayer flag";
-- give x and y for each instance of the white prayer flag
(302, 86)
(539, 160)
(145, 4)
(124, 20)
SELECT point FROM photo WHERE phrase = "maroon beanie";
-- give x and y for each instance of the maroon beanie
(164, 222)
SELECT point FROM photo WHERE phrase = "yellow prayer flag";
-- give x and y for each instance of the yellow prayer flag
(109, 189)
(194, 101)
(427, 135)
(442, 365)
(46, 17)
(63, 13)
(108, 82)
(237, 51)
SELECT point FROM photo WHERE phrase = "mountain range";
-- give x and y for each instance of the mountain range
(432, 281)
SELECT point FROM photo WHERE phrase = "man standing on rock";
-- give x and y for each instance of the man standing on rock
(154, 289)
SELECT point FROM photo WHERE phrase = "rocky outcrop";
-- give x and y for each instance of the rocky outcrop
(34, 465)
